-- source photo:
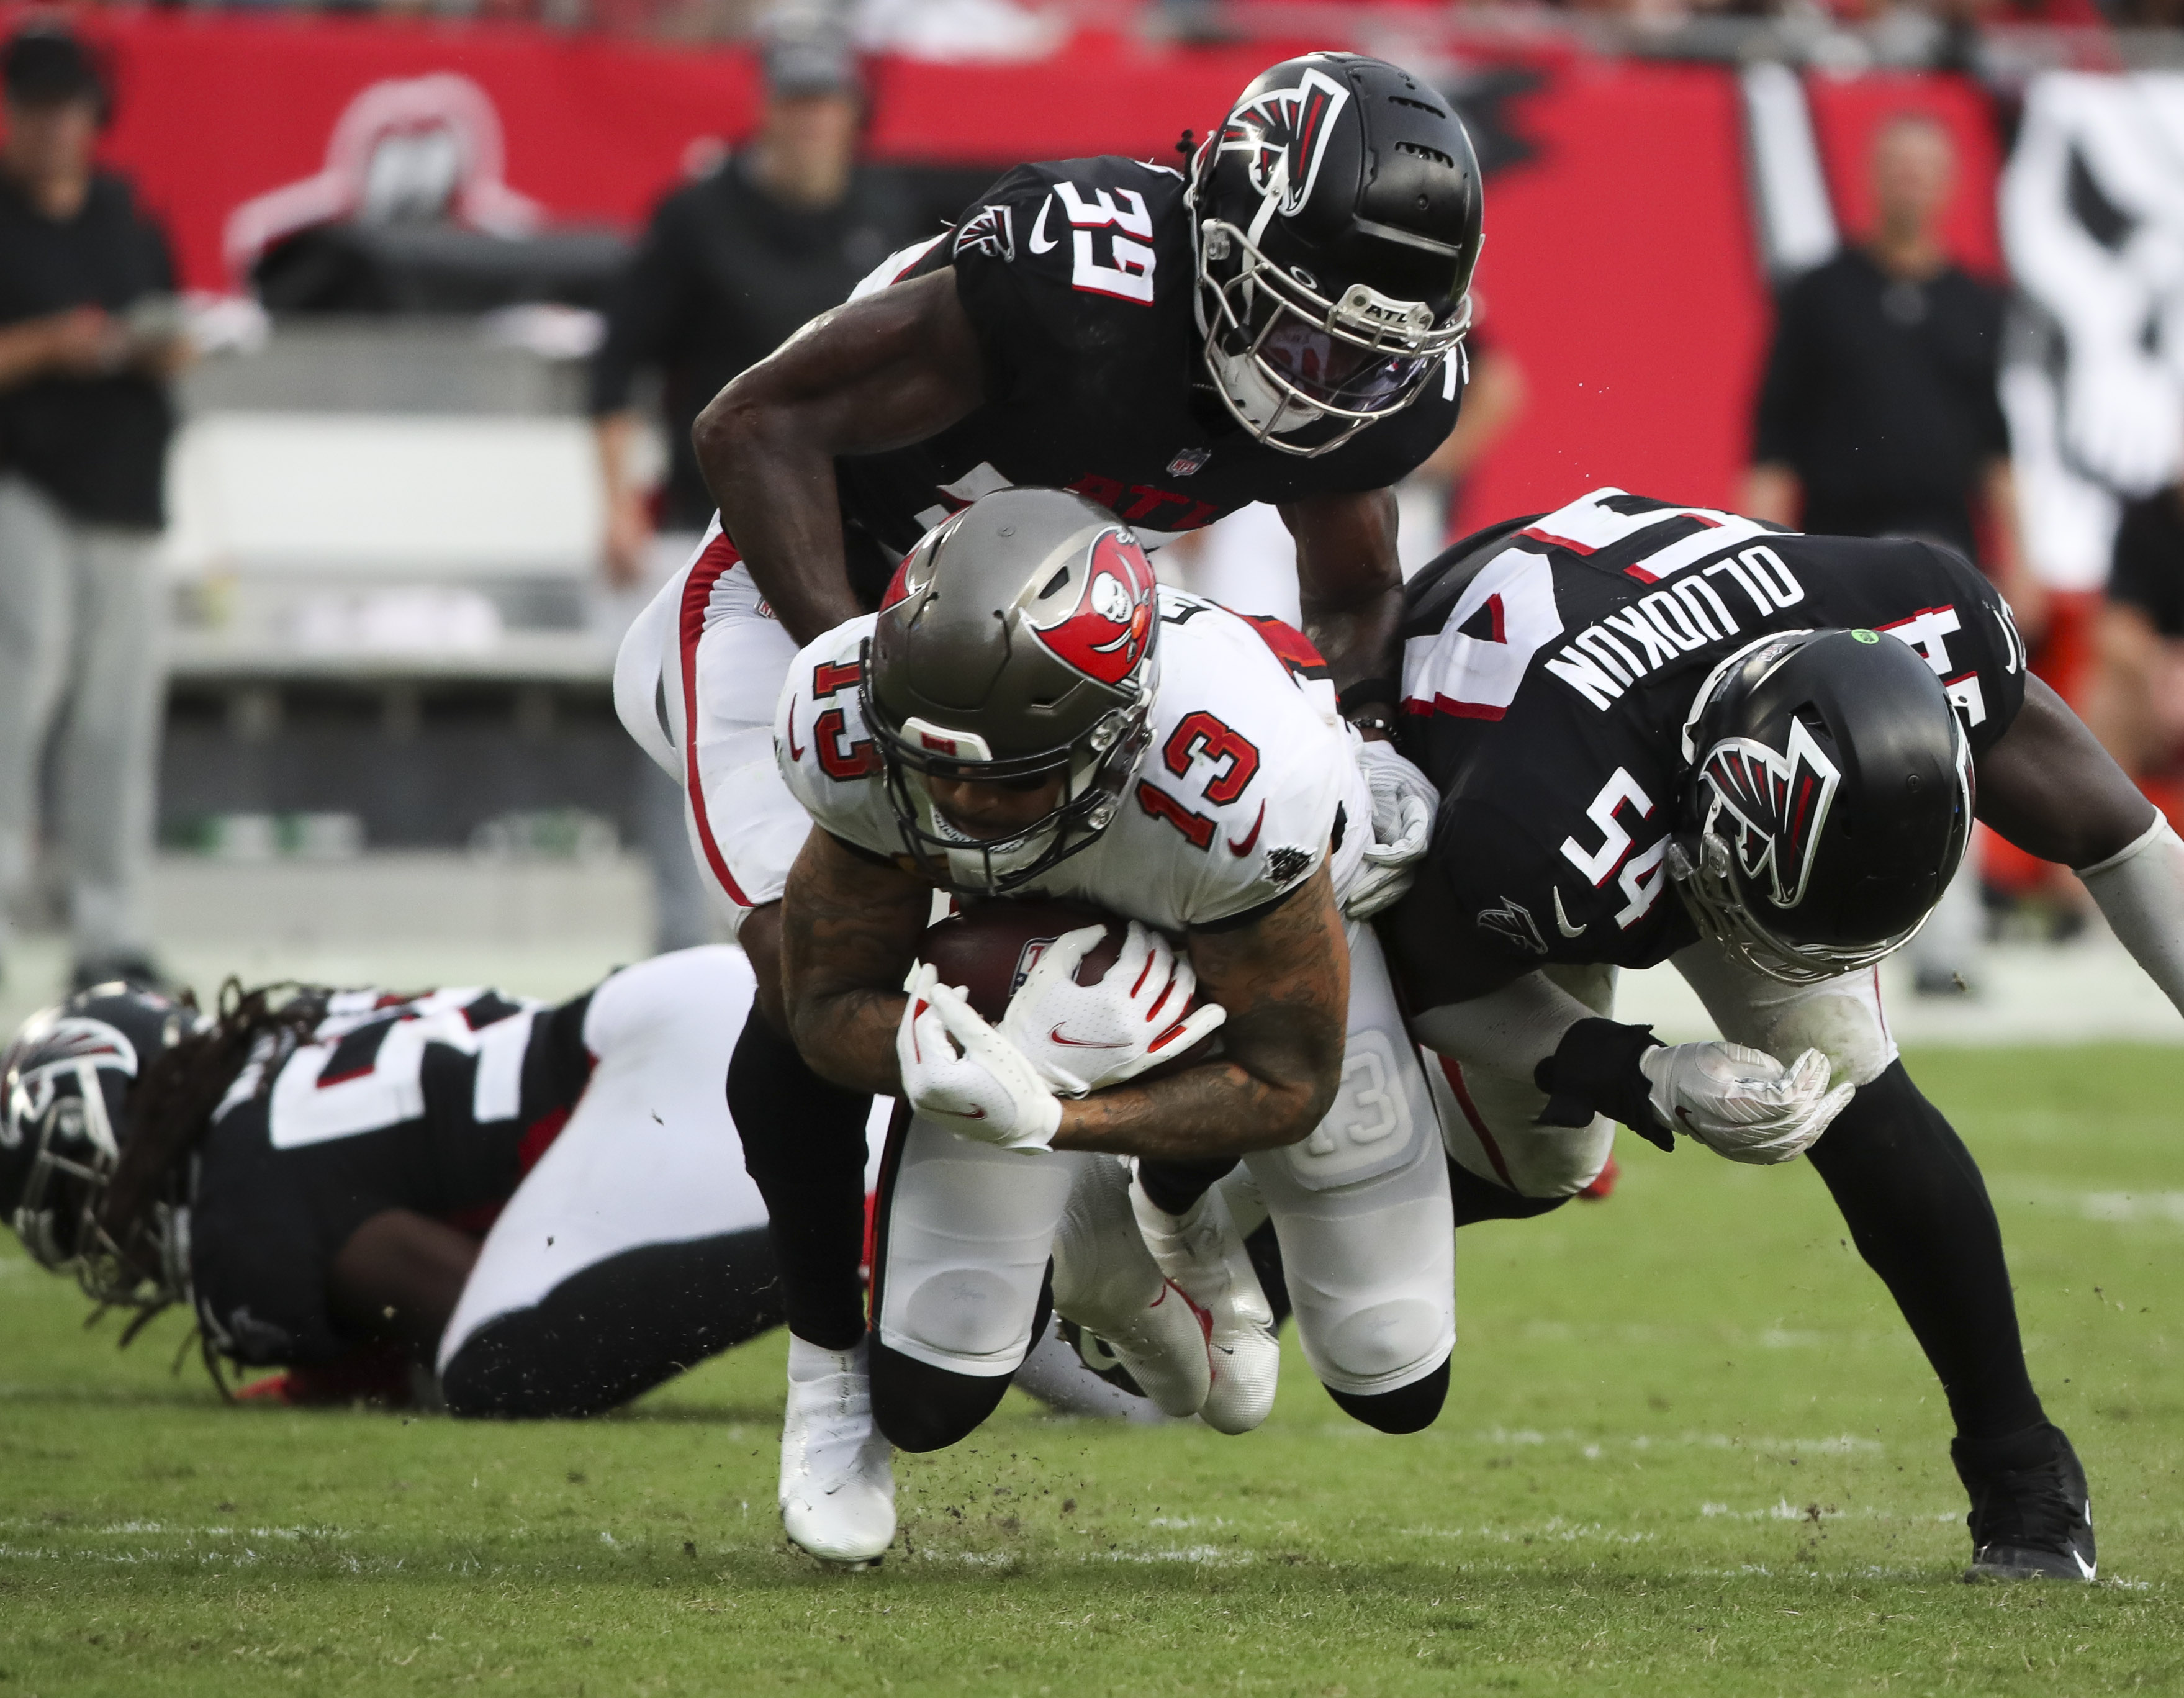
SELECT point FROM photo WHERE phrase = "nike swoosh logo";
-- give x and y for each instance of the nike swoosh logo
(1056, 1037)
(1561, 919)
(794, 753)
(1240, 850)
(965, 1114)
(1041, 242)
(2085, 1567)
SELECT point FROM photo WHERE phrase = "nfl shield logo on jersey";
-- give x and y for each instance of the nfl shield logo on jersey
(1189, 461)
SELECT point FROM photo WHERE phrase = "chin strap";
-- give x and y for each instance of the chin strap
(2140, 890)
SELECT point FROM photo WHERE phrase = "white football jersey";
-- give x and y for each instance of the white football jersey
(1247, 784)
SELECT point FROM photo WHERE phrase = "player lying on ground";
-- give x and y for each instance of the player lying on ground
(318, 1175)
(1031, 715)
(1284, 326)
(1674, 734)
(318, 1178)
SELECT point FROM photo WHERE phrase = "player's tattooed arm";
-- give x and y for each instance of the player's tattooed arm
(1351, 587)
(850, 929)
(1284, 980)
(881, 373)
(2050, 787)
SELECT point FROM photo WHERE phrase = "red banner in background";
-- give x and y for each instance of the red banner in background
(1620, 270)
(1619, 266)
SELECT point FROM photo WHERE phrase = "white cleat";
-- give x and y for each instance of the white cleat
(1105, 1281)
(1201, 1254)
(836, 1470)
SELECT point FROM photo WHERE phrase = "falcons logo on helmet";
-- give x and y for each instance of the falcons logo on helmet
(1105, 634)
(1283, 134)
(1777, 805)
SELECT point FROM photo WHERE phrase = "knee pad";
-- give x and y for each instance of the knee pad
(1409, 1408)
(1382, 1341)
(1841, 1017)
(919, 1407)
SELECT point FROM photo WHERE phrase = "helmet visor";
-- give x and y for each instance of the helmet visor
(1353, 359)
(1337, 376)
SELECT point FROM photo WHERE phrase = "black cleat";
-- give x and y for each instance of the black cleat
(2032, 1516)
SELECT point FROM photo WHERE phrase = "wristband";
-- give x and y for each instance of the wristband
(1370, 693)
(1595, 1070)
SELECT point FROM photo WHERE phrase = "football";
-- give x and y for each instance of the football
(990, 949)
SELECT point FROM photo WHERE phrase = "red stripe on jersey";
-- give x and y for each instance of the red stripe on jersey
(1456, 710)
(538, 1138)
(718, 556)
(1454, 1075)
(1641, 575)
(1537, 535)
(1291, 647)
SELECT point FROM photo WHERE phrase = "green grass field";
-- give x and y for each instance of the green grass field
(1689, 1449)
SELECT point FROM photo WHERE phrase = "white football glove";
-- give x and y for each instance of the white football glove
(1743, 1103)
(1082, 1039)
(1404, 804)
(960, 1074)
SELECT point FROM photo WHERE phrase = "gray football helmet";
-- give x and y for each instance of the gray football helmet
(1021, 641)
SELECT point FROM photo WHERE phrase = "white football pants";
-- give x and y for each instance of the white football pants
(1488, 1116)
(649, 1157)
(696, 683)
(1360, 1207)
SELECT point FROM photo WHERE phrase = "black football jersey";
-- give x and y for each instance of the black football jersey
(1545, 691)
(1077, 276)
(439, 1103)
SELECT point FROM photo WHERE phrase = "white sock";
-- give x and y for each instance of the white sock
(808, 1361)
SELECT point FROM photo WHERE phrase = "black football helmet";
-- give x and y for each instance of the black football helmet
(65, 1086)
(1337, 216)
(1827, 803)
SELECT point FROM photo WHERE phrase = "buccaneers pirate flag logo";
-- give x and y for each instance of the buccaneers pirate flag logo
(1105, 634)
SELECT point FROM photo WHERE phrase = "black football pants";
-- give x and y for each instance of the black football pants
(616, 1329)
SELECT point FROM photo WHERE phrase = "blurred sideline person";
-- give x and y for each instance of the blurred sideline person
(1880, 416)
(2136, 705)
(1281, 325)
(88, 338)
(730, 266)
(519, 1210)
(1669, 733)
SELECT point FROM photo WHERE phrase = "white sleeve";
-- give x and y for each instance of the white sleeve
(2141, 893)
(1510, 1030)
(810, 714)
(644, 684)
